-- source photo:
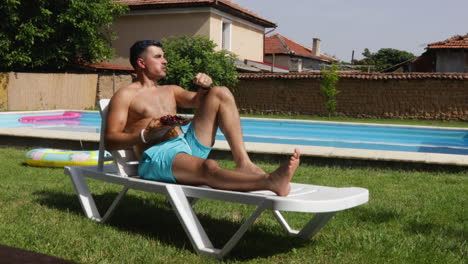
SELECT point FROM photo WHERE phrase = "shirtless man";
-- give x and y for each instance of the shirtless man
(183, 159)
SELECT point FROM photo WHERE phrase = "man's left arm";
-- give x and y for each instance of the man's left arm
(187, 99)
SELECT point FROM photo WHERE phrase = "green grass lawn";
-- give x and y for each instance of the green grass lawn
(412, 217)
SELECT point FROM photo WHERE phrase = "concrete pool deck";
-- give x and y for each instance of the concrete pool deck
(84, 140)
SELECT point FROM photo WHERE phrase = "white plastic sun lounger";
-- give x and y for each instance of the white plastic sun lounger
(324, 202)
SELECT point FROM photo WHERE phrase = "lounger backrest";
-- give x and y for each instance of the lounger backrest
(125, 159)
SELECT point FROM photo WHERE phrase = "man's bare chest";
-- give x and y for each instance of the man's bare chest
(153, 104)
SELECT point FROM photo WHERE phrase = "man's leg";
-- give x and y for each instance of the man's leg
(188, 169)
(218, 109)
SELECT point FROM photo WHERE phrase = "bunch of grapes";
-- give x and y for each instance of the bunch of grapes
(173, 120)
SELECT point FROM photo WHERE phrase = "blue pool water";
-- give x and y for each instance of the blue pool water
(339, 135)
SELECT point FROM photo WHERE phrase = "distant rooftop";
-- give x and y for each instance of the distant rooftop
(279, 44)
(223, 5)
(456, 42)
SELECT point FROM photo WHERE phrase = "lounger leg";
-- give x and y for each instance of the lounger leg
(86, 198)
(195, 230)
(315, 224)
(189, 221)
(310, 229)
(114, 204)
(241, 231)
(279, 217)
(84, 195)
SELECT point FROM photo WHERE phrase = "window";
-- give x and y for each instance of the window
(226, 35)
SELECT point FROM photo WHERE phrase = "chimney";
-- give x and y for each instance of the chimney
(316, 46)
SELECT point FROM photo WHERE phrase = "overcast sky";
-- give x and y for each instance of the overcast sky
(347, 25)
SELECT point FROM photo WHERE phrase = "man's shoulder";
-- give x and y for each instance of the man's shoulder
(128, 90)
(174, 87)
(133, 87)
(125, 94)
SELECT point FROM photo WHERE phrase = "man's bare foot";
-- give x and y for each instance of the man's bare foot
(281, 177)
(250, 167)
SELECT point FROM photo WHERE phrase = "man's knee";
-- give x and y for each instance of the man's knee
(210, 167)
(222, 92)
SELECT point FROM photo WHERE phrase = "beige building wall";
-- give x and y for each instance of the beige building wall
(246, 41)
(216, 25)
(246, 38)
(131, 28)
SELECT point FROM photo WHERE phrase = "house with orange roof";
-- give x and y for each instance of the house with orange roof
(284, 52)
(230, 26)
(450, 55)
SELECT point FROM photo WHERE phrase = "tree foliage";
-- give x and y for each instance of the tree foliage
(188, 56)
(48, 35)
(330, 78)
(384, 58)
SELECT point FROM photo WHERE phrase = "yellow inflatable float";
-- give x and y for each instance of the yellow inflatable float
(59, 158)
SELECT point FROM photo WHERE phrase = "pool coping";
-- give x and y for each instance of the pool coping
(269, 148)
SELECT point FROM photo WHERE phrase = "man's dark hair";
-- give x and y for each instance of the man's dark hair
(139, 47)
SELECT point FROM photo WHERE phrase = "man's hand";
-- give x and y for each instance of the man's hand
(203, 80)
(176, 120)
(155, 131)
(162, 129)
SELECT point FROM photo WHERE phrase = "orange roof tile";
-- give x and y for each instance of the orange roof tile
(279, 44)
(456, 42)
(357, 75)
(223, 5)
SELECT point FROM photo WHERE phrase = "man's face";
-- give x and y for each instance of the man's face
(154, 63)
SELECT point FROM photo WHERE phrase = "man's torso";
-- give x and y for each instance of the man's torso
(146, 104)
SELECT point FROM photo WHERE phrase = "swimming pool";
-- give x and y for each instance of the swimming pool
(319, 135)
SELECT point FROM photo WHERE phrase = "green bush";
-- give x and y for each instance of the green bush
(328, 86)
(188, 56)
(48, 35)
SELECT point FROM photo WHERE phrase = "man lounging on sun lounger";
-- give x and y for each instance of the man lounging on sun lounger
(152, 154)
(168, 154)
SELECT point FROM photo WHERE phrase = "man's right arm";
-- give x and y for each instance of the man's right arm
(116, 138)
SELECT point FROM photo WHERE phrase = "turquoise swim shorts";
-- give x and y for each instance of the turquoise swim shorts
(156, 162)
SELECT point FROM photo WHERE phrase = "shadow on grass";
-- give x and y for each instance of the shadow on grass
(158, 221)
(424, 228)
(375, 215)
(379, 215)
